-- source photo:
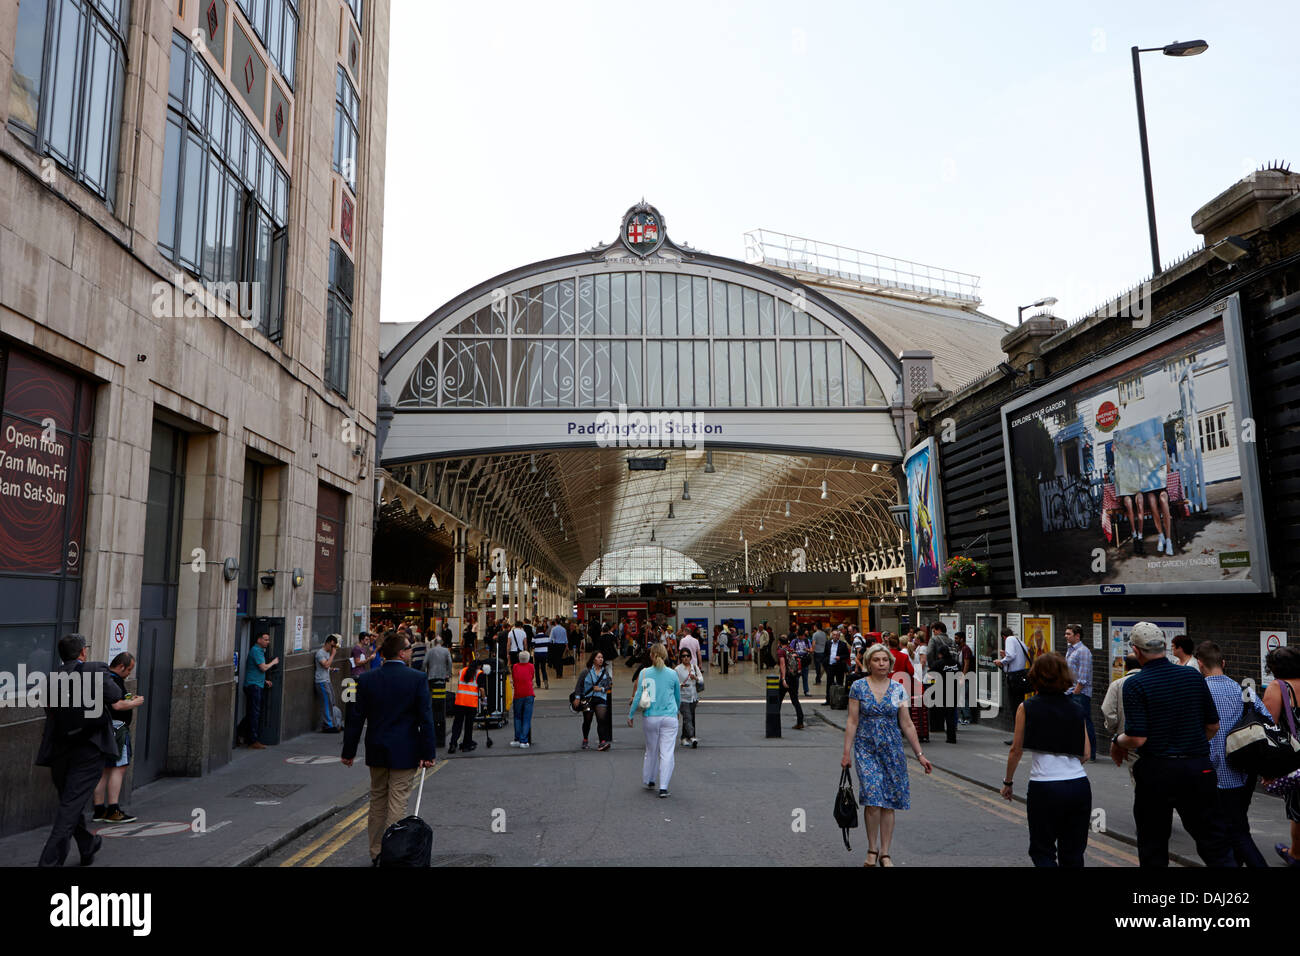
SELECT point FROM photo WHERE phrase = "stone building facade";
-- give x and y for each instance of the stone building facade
(191, 216)
(1260, 264)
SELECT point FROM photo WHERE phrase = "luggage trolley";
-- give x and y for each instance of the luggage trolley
(492, 702)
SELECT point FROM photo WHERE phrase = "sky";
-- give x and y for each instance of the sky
(993, 138)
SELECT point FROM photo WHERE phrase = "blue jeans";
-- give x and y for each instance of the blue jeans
(1084, 703)
(326, 703)
(253, 717)
(523, 708)
(805, 667)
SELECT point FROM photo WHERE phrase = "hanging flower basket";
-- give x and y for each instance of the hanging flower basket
(962, 572)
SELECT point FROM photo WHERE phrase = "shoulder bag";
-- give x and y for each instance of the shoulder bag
(1289, 782)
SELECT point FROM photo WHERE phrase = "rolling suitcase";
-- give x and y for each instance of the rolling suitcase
(409, 841)
(839, 696)
(921, 718)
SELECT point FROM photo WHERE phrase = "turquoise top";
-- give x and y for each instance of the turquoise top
(253, 674)
(667, 692)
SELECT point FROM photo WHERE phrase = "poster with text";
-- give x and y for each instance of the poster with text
(1137, 474)
(925, 517)
(1119, 629)
(988, 639)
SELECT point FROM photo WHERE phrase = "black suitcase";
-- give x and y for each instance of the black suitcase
(839, 696)
(409, 841)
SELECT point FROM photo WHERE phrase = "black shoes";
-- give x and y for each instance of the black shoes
(89, 858)
(662, 794)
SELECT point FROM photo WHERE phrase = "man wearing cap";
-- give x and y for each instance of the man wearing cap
(1169, 718)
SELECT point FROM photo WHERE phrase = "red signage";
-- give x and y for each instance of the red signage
(43, 470)
(1107, 416)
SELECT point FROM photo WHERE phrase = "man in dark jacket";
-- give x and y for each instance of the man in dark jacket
(394, 702)
(78, 737)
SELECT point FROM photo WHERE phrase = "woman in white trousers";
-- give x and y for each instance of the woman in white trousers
(658, 696)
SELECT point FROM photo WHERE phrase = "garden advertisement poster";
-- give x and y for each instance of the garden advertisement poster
(929, 552)
(1129, 478)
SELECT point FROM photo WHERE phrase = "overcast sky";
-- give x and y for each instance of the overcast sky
(994, 138)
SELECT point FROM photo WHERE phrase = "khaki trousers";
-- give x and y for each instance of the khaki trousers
(390, 790)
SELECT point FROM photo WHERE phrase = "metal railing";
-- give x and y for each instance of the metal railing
(912, 279)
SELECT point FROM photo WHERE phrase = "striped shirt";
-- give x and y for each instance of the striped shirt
(1227, 695)
(1169, 706)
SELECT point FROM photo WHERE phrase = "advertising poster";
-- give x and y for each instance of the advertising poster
(1037, 635)
(925, 513)
(988, 640)
(1131, 475)
(1268, 641)
(1119, 629)
(953, 623)
(1013, 622)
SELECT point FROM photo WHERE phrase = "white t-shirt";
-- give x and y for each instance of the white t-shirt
(1049, 767)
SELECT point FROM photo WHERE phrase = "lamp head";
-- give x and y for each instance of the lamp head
(1187, 48)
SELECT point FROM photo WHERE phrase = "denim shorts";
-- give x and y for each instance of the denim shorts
(125, 758)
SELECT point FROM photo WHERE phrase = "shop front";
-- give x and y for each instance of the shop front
(847, 614)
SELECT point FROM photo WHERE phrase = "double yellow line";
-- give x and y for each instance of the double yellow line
(338, 836)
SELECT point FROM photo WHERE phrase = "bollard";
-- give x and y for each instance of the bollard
(438, 695)
(773, 706)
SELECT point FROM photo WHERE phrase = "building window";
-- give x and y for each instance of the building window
(338, 321)
(276, 24)
(346, 110)
(65, 92)
(225, 199)
(1212, 429)
(1130, 390)
(355, 7)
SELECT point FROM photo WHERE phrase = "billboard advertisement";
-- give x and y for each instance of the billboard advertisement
(925, 514)
(1137, 474)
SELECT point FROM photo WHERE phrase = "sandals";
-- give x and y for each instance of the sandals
(885, 857)
(870, 854)
(1284, 852)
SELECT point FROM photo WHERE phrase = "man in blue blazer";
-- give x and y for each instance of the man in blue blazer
(394, 702)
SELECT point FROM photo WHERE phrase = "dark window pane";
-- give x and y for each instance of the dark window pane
(62, 102)
(191, 208)
(171, 175)
(29, 64)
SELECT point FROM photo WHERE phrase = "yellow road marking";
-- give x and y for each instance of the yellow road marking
(308, 850)
(355, 826)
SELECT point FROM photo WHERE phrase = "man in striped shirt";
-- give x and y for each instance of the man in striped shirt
(1235, 788)
(1169, 718)
(1079, 658)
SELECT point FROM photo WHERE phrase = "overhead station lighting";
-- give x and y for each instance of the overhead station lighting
(708, 463)
(787, 509)
(670, 510)
(686, 490)
(825, 493)
(532, 464)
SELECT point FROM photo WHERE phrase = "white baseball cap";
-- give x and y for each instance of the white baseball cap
(1145, 636)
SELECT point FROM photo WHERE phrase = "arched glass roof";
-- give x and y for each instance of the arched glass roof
(643, 337)
(634, 565)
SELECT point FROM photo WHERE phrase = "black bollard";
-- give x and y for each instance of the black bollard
(439, 702)
(773, 706)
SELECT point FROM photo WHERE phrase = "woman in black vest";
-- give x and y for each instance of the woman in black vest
(1059, 800)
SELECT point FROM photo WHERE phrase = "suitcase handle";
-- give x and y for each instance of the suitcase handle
(420, 796)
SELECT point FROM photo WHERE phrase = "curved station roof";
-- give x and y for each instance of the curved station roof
(748, 415)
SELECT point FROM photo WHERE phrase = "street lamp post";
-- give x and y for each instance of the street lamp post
(1020, 310)
(1188, 48)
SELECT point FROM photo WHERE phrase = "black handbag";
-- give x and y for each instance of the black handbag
(846, 807)
(1256, 745)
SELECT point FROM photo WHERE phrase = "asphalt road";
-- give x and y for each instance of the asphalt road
(737, 800)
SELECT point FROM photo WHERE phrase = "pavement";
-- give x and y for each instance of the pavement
(980, 757)
(739, 799)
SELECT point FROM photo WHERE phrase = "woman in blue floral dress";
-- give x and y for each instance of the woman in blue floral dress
(878, 722)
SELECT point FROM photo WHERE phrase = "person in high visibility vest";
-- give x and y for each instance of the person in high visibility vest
(465, 708)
